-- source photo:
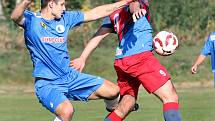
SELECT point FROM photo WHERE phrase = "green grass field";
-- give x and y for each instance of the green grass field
(197, 104)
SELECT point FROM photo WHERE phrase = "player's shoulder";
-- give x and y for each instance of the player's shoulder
(212, 36)
(69, 13)
(28, 17)
(212, 33)
(28, 13)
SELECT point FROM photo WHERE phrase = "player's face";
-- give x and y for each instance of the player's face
(58, 9)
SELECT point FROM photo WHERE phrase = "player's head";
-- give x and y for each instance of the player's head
(57, 7)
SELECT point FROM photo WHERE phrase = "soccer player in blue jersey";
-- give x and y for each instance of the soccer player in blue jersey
(135, 63)
(208, 49)
(46, 39)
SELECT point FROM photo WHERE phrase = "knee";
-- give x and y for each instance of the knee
(167, 93)
(114, 93)
(170, 97)
(67, 114)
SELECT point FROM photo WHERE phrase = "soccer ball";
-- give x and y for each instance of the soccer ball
(165, 43)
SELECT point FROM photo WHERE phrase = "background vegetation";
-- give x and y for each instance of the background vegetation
(190, 20)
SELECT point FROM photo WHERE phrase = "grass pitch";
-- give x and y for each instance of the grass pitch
(197, 104)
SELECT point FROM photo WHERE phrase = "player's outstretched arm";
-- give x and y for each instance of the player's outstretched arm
(79, 63)
(17, 14)
(198, 61)
(104, 10)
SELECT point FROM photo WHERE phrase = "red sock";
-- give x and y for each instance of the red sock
(113, 117)
(170, 106)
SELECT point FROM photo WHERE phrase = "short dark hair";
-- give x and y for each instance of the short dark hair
(44, 3)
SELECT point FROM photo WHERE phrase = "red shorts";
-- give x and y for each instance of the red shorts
(142, 68)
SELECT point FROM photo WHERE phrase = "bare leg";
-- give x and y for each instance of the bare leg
(108, 91)
(65, 111)
(125, 106)
(167, 94)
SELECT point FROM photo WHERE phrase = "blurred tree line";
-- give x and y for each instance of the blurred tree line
(194, 16)
(8, 5)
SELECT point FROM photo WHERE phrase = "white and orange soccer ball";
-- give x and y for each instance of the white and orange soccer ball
(165, 43)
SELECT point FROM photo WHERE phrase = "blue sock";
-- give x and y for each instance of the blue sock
(171, 112)
(172, 115)
(107, 119)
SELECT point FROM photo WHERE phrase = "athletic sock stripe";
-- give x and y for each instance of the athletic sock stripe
(113, 117)
(170, 106)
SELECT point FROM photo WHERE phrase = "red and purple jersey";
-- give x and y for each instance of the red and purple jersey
(133, 37)
(121, 24)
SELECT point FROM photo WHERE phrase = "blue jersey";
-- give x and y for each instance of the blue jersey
(208, 49)
(136, 37)
(46, 41)
(208, 44)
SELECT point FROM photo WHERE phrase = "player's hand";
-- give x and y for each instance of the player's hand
(194, 69)
(27, 2)
(78, 64)
(138, 14)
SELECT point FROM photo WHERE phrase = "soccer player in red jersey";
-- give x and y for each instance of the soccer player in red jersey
(135, 63)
